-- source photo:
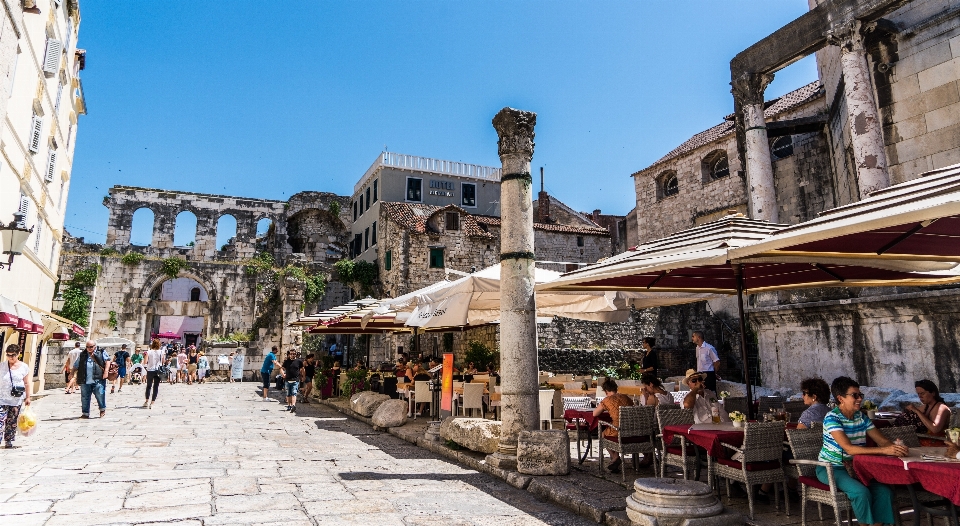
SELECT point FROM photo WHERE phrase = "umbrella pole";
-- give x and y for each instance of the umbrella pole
(738, 273)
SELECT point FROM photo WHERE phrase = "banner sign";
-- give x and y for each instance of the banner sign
(446, 386)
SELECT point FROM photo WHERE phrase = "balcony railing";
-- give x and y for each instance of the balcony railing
(425, 164)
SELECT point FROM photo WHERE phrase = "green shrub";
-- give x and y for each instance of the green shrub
(109, 252)
(131, 258)
(480, 354)
(172, 266)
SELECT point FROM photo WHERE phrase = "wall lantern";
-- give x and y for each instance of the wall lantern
(12, 239)
(57, 303)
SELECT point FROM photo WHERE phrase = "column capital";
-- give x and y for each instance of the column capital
(848, 36)
(749, 87)
(515, 130)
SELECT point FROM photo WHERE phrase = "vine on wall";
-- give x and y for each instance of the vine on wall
(76, 300)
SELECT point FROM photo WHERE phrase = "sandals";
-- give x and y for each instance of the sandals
(103, 413)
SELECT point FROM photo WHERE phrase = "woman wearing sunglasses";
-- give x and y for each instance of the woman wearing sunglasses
(845, 432)
(14, 392)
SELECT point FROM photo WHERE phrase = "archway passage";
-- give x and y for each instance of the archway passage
(141, 227)
(265, 231)
(311, 231)
(182, 289)
(185, 231)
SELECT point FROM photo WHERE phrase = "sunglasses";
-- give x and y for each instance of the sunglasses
(11, 354)
(857, 396)
(694, 380)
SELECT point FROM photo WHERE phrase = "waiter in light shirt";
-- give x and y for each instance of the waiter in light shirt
(708, 361)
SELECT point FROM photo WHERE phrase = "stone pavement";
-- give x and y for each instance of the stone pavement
(214, 454)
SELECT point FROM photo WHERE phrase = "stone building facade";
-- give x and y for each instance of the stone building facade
(882, 112)
(129, 299)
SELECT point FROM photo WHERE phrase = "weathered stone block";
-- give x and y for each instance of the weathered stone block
(366, 402)
(391, 413)
(543, 452)
(475, 434)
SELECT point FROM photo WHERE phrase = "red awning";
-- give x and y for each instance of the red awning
(59, 337)
(78, 330)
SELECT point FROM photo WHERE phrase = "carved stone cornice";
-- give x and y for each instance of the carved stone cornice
(749, 87)
(515, 130)
(848, 36)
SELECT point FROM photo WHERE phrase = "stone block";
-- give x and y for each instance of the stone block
(391, 413)
(943, 117)
(673, 502)
(543, 452)
(475, 434)
(366, 402)
(939, 74)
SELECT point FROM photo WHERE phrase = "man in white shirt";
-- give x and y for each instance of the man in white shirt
(708, 361)
(701, 400)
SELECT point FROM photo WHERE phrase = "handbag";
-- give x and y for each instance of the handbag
(15, 391)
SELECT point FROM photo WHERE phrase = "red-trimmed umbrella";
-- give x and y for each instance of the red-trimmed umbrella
(166, 336)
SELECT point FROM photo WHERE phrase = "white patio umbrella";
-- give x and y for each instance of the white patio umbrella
(113, 341)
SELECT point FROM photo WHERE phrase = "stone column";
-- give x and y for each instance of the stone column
(518, 322)
(862, 115)
(748, 91)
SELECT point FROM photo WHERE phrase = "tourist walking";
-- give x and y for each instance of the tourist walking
(708, 361)
(202, 367)
(309, 371)
(292, 371)
(14, 392)
(121, 358)
(91, 369)
(152, 361)
(172, 372)
(182, 365)
(269, 362)
(192, 366)
(69, 379)
(236, 367)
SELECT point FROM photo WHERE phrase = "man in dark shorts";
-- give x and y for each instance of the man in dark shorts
(292, 370)
(269, 362)
(309, 370)
(122, 359)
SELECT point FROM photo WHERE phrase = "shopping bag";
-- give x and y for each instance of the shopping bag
(27, 422)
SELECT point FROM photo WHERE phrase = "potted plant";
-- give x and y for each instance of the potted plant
(869, 408)
(737, 418)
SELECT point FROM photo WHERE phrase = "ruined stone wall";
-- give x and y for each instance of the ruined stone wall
(890, 340)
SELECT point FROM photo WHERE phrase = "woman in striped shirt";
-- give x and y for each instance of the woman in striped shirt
(845, 432)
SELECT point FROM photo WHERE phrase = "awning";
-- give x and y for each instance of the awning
(29, 320)
(8, 312)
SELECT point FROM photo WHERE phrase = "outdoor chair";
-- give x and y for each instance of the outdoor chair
(770, 402)
(906, 433)
(495, 404)
(563, 378)
(678, 452)
(736, 403)
(421, 396)
(472, 398)
(678, 396)
(546, 408)
(557, 404)
(794, 410)
(543, 379)
(806, 445)
(757, 461)
(634, 435)
(573, 386)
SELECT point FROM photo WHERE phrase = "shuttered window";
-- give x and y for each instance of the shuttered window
(56, 106)
(37, 230)
(51, 58)
(375, 190)
(373, 235)
(388, 260)
(436, 258)
(51, 166)
(23, 210)
(36, 133)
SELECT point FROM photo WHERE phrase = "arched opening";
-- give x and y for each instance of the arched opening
(141, 227)
(782, 147)
(715, 165)
(226, 231)
(195, 294)
(180, 289)
(265, 234)
(667, 184)
(185, 229)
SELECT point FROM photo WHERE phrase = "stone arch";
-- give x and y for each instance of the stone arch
(668, 184)
(156, 280)
(185, 228)
(265, 232)
(227, 230)
(715, 165)
(141, 230)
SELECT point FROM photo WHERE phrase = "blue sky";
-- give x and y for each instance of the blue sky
(264, 99)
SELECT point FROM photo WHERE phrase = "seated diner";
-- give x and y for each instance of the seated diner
(845, 432)
(653, 391)
(611, 404)
(930, 418)
(702, 400)
(816, 395)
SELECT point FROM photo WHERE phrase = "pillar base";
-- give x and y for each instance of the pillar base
(503, 459)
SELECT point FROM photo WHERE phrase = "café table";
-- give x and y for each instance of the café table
(584, 422)
(938, 477)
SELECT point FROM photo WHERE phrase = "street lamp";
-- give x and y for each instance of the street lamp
(12, 239)
(57, 304)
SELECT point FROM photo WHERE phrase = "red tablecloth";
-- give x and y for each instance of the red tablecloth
(941, 478)
(708, 439)
(571, 415)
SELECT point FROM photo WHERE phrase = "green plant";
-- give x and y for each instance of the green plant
(356, 380)
(260, 263)
(316, 283)
(76, 300)
(335, 208)
(360, 275)
(172, 266)
(131, 259)
(113, 319)
(480, 354)
(109, 252)
(86, 277)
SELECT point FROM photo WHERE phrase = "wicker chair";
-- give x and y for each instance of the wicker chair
(635, 435)
(678, 452)
(759, 460)
(794, 409)
(770, 402)
(736, 403)
(806, 445)
(906, 433)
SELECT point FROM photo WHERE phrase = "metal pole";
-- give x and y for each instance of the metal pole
(738, 273)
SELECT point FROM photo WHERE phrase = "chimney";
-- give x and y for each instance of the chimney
(596, 214)
(543, 203)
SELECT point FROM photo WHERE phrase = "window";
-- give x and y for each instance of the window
(414, 189)
(36, 133)
(37, 230)
(51, 57)
(357, 244)
(452, 221)
(368, 200)
(782, 147)
(56, 106)
(436, 257)
(373, 234)
(468, 194)
(195, 294)
(375, 181)
(51, 166)
(23, 210)
(366, 238)
(667, 184)
(354, 210)
(579, 241)
(388, 260)
(715, 165)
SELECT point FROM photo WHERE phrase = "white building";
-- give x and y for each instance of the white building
(41, 98)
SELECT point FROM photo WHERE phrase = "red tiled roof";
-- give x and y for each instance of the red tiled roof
(785, 103)
(551, 227)
(414, 216)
